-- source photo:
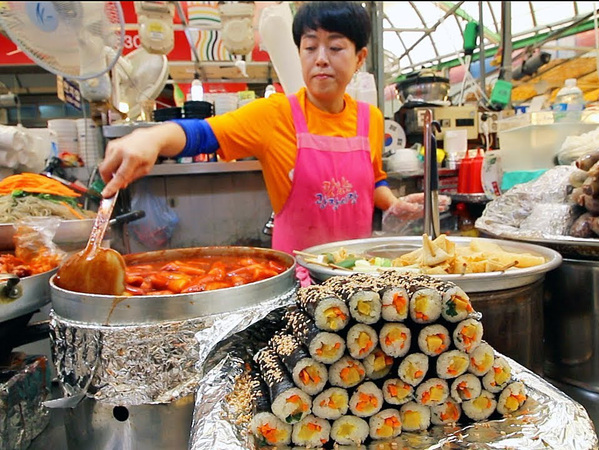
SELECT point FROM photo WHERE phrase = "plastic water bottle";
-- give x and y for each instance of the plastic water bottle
(569, 98)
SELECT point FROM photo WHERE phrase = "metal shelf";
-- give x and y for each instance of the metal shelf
(204, 167)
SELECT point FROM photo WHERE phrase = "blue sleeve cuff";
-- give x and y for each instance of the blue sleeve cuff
(381, 183)
(199, 137)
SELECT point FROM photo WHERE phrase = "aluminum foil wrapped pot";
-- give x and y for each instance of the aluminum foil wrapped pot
(133, 360)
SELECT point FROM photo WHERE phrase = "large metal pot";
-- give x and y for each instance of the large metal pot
(424, 86)
(21, 296)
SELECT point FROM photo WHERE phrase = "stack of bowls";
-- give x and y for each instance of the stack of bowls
(197, 110)
(89, 141)
(66, 134)
(164, 114)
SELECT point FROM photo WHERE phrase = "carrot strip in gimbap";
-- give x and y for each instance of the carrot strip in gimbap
(446, 413)
(496, 379)
(395, 300)
(378, 364)
(468, 335)
(331, 403)
(397, 392)
(347, 372)
(452, 364)
(395, 339)
(481, 359)
(434, 340)
(433, 391)
(511, 398)
(465, 387)
(361, 340)
(413, 368)
(311, 432)
(385, 424)
(366, 400)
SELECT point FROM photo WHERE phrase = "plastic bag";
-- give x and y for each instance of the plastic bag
(156, 229)
(34, 243)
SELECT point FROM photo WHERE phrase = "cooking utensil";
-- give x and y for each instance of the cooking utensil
(95, 270)
(432, 224)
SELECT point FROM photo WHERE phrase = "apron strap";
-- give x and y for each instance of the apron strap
(299, 120)
(363, 119)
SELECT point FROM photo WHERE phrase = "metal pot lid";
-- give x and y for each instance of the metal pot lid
(470, 282)
(421, 78)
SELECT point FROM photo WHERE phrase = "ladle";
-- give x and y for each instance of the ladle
(95, 270)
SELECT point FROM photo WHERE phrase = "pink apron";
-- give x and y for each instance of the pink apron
(332, 192)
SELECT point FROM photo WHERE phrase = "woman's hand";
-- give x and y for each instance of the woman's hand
(411, 207)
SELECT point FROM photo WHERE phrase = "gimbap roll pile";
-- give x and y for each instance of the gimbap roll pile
(365, 358)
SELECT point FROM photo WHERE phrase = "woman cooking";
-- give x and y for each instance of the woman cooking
(320, 149)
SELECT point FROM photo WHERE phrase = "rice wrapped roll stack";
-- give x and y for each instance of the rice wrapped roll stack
(413, 368)
(452, 364)
(425, 304)
(468, 335)
(395, 301)
(361, 340)
(465, 387)
(347, 372)
(329, 312)
(481, 359)
(397, 392)
(365, 306)
(350, 430)
(385, 424)
(307, 374)
(378, 364)
(331, 403)
(434, 340)
(288, 402)
(446, 413)
(395, 339)
(511, 398)
(267, 428)
(433, 391)
(481, 407)
(311, 432)
(414, 417)
(366, 400)
(496, 379)
(323, 346)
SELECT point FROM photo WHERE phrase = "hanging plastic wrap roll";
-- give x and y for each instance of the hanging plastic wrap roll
(275, 32)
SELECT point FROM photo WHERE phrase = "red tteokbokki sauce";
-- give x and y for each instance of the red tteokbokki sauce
(198, 274)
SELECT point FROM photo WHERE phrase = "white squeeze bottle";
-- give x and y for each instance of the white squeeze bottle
(569, 98)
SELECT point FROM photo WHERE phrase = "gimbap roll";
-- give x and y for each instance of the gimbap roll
(288, 403)
(378, 364)
(349, 430)
(468, 335)
(329, 312)
(361, 340)
(311, 432)
(434, 340)
(395, 339)
(511, 398)
(481, 407)
(309, 375)
(395, 301)
(267, 428)
(425, 304)
(446, 413)
(414, 417)
(465, 387)
(323, 346)
(397, 392)
(366, 400)
(431, 392)
(481, 359)
(347, 372)
(452, 363)
(331, 403)
(456, 303)
(385, 424)
(413, 368)
(496, 379)
(365, 306)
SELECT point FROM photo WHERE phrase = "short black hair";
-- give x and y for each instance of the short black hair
(348, 18)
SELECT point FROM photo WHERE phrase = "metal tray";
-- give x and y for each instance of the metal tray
(470, 282)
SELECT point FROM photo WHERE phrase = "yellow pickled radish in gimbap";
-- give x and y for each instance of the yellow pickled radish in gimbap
(349, 430)
(385, 424)
(366, 400)
(465, 387)
(331, 403)
(468, 335)
(361, 340)
(481, 407)
(414, 417)
(327, 347)
(347, 372)
(329, 312)
(456, 303)
(511, 398)
(378, 364)
(434, 340)
(269, 430)
(481, 359)
(365, 306)
(496, 379)
(413, 368)
(446, 413)
(397, 392)
(311, 432)
(425, 305)
(433, 391)
(452, 363)
(395, 301)
(395, 339)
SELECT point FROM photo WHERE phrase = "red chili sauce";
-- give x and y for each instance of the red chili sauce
(198, 274)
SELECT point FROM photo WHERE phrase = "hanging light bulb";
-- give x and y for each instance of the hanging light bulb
(197, 90)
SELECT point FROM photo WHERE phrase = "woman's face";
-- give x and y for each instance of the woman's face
(329, 61)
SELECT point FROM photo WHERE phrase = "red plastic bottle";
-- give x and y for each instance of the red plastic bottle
(463, 173)
(475, 185)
